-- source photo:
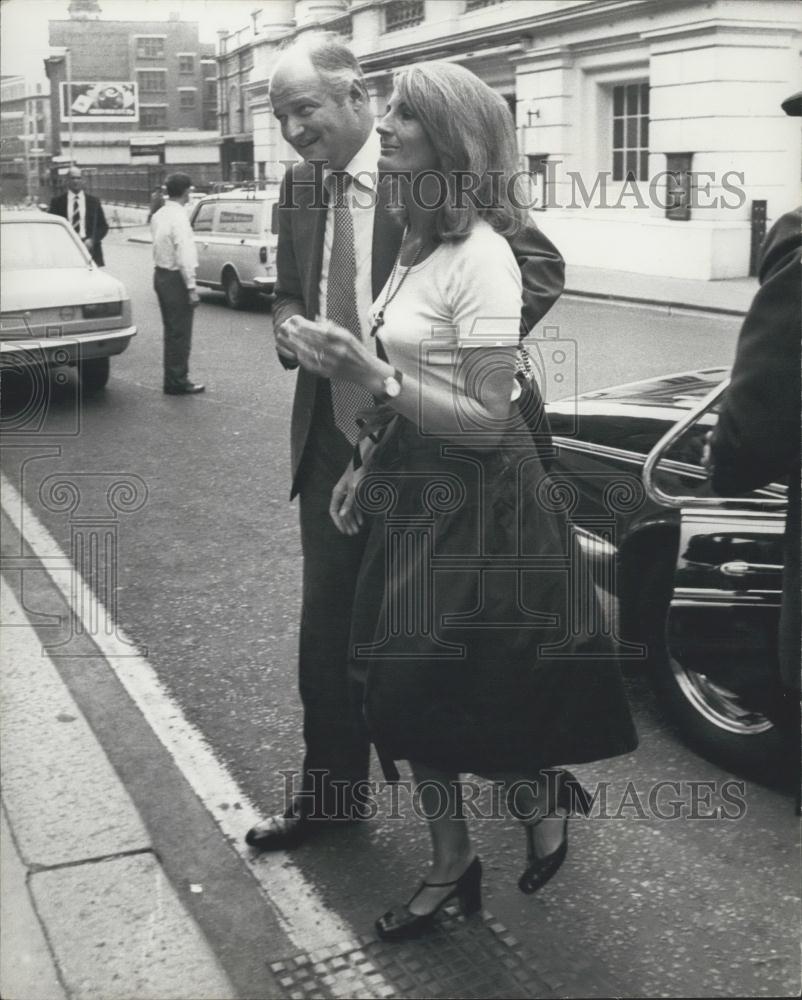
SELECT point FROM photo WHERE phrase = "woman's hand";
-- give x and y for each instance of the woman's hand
(330, 351)
(347, 517)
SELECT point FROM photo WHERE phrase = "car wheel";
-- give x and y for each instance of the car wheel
(94, 374)
(236, 296)
(714, 720)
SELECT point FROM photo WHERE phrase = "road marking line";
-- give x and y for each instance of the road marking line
(307, 922)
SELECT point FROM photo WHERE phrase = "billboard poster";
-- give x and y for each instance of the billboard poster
(100, 101)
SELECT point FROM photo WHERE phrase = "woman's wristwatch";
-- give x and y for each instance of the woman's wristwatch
(391, 386)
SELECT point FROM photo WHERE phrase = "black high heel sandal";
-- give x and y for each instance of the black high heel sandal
(571, 797)
(403, 925)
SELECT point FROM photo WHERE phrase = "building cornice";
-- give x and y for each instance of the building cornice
(142, 138)
(522, 29)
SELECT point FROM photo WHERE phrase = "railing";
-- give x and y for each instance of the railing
(135, 185)
(400, 14)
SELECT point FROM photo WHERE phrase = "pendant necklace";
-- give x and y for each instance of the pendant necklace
(392, 292)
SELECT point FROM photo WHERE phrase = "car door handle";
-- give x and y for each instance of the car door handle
(740, 568)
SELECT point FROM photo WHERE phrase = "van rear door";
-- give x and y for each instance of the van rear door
(203, 228)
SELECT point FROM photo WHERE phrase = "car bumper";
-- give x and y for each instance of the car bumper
(67, 350)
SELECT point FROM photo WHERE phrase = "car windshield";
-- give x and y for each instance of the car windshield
(29, 245)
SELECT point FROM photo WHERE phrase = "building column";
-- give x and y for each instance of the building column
(546, 113)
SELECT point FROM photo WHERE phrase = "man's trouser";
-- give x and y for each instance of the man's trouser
(176, 311)
(337, 745)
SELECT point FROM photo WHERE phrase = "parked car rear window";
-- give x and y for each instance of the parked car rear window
(235, 218)
(28, 245)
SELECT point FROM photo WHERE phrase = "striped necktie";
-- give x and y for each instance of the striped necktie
(76, 214)
(347, 398)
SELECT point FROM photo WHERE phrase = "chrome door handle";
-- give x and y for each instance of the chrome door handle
(740, 568)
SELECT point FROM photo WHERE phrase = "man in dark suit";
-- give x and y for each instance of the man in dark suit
(321, 101)
(757, 439)
(84, 212)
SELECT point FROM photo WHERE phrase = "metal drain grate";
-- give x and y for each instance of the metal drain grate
(475, 958)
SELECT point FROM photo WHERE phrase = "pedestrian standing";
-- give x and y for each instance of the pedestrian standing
(84, 213)
(176, 261)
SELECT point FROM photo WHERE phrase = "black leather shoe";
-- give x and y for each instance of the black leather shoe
(571, 797)
(278, 833)
(290, 829)
(184, 389)
(401, 925)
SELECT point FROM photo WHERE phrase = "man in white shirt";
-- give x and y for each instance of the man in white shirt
(175, 260)
(83, 212)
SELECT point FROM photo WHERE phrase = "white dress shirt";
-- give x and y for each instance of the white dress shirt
(174, 242)
(72, 196)
(362, 200)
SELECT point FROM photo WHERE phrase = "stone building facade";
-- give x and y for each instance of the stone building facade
(653, 127)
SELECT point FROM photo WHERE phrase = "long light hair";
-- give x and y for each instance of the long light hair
(472, 131)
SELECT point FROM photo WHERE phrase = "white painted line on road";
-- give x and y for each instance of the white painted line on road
(307, 922)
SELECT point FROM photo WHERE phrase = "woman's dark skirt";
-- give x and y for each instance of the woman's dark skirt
(477, 642)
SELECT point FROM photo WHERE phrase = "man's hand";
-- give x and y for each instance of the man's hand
(89, 243)
(283, 341)
(194, 298)
(330, 351)
(347, 517)
(707, 452)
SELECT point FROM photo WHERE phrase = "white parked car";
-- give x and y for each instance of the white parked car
(56, 306)
(236, 234)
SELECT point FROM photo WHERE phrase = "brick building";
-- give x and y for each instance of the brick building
(176, 90)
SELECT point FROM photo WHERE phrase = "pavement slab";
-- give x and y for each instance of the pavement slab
(65, 803)
(27, 971)
(88, 910)
(118, 931)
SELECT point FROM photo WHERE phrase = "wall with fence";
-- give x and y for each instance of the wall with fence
(135, 185)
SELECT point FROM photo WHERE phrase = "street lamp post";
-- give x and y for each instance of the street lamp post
(66, 55)
(68, 60)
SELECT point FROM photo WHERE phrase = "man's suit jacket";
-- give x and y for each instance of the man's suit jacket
(757, 439)
(302, 224)
(95, 222)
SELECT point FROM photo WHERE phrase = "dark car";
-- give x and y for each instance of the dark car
(697, 578)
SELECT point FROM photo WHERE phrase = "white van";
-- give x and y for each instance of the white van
(236, 234)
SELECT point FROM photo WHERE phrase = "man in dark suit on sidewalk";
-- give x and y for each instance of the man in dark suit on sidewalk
(757, 439)
(321, 102)
(84, 212)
